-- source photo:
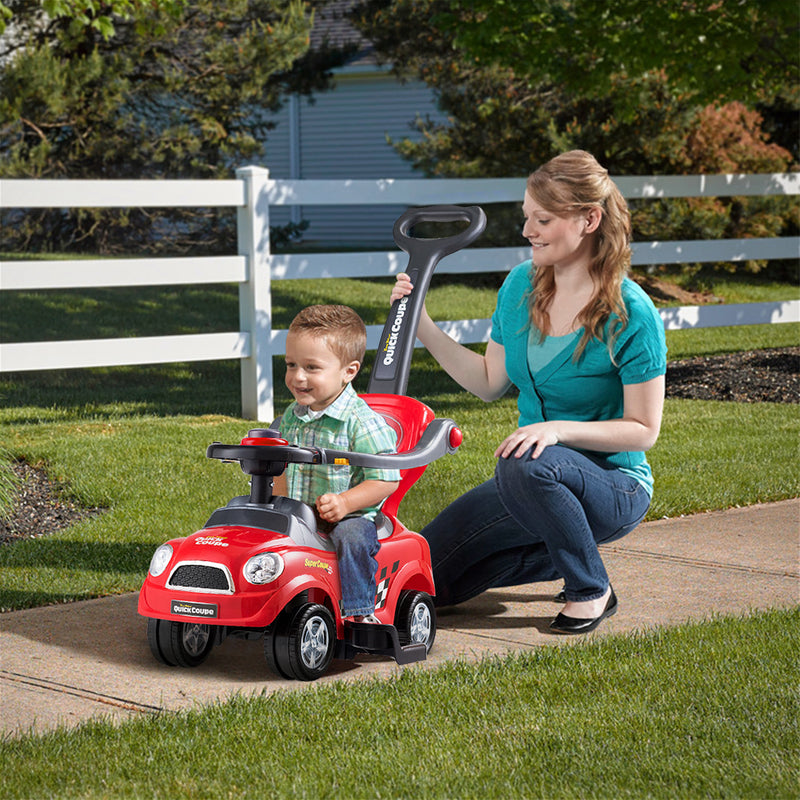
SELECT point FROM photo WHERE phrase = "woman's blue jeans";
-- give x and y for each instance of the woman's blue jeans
(537, 520)
(356, 543)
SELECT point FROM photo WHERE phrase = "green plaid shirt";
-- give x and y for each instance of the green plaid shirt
(348, 423)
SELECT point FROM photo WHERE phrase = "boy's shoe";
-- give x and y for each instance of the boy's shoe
(370, 619)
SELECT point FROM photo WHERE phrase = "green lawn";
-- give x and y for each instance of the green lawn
(133, 439)
(701, 710)
(705, 710)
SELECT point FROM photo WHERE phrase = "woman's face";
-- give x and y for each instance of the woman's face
(558, 241)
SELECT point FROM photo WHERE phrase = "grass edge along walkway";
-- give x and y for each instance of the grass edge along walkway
(706, 709)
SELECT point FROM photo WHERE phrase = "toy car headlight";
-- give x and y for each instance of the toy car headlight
(160, 560)
(263, 568)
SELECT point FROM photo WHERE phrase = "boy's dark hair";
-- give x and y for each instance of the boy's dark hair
(343, 330)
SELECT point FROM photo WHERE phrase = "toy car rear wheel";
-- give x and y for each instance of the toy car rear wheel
(303, 642)
(415, 619)
(182, 644)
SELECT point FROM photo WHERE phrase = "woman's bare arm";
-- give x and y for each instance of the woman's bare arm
(637, 429)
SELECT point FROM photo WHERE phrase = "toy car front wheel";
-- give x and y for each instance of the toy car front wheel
(415, 619)
(303, 642)
(182, 644)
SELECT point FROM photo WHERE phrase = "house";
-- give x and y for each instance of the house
(342, 134)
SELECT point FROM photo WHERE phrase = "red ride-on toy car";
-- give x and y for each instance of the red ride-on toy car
(260, 569)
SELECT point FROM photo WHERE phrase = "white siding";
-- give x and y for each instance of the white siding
(278, 160)
(342, 134)
(277, 149)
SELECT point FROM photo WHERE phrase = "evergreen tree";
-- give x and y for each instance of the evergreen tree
(176, 90)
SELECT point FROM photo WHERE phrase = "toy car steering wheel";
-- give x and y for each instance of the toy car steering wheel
(262, 454)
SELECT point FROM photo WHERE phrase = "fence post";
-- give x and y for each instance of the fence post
(255, 300)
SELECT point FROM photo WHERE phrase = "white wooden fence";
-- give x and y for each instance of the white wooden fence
(252, 193)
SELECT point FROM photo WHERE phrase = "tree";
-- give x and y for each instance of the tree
(95, 14)
(726, 139)
(174, 92)
(716, 50)
(502, 123)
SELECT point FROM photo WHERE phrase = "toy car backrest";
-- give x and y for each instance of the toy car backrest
(408, 418)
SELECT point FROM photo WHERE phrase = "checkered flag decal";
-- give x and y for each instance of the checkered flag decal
(383, 585)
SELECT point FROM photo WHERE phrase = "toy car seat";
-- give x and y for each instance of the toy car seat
(408, 418)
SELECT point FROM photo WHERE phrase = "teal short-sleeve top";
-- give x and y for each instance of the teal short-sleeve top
(591, 387)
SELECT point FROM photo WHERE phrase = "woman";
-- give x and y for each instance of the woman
(585, 347)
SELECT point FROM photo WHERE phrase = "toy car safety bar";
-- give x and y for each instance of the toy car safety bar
(264, 452)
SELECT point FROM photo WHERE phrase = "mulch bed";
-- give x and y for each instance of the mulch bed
(42, 506)
(762, 376)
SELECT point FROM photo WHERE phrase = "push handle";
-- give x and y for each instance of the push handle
(396, 346)
(439, 247)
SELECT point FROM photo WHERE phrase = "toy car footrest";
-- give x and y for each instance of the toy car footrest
(383, 640)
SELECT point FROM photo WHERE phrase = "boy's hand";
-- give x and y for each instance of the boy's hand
(331, 507)
(334, 507)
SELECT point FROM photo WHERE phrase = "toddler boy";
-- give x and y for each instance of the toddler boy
(325, 347)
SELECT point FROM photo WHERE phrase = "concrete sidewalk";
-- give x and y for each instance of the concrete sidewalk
(61, 665)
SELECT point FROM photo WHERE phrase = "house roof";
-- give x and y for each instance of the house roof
(331, 26)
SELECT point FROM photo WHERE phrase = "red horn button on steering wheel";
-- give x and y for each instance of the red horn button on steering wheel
(456, 437)
(263, 441)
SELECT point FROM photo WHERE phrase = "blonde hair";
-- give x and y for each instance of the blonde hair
(341, 328)
(568, 185)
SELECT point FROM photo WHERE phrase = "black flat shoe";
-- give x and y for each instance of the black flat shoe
(564, 624)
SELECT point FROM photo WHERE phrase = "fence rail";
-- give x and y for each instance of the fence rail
(253, 193)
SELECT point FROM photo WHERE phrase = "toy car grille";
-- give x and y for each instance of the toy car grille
(200, 578)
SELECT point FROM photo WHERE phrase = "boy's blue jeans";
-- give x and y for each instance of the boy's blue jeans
(537, 520)
(356, 543)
